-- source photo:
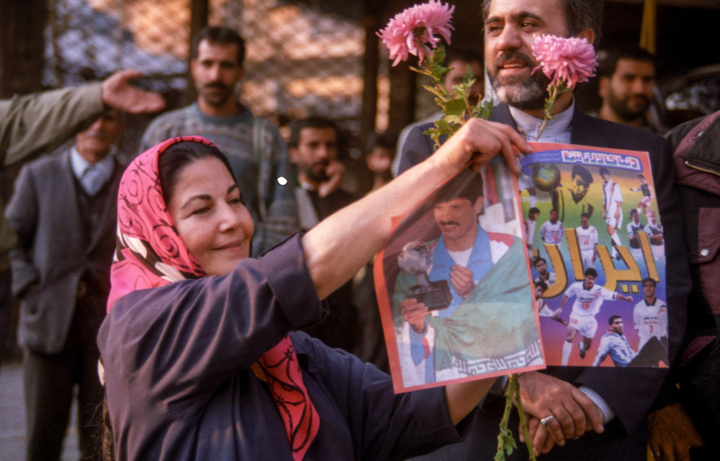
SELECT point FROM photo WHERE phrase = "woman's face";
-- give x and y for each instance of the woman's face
(210, 217)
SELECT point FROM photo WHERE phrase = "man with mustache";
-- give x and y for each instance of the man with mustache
(253, 145)
(64, 215)
(627, 84)
(583, 409)
(313, 146)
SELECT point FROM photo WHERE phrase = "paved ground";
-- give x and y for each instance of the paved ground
(12, 421)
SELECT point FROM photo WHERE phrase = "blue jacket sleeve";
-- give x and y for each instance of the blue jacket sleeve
(384, 426)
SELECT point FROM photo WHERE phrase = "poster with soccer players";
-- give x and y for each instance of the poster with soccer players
(454, 287)
(598, 258)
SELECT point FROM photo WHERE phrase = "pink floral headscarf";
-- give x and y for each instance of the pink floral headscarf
(150, 253)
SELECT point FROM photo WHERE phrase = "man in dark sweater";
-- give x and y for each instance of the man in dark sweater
(313, 148)
(64, 214)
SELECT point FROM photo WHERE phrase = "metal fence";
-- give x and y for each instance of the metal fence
(299, 61)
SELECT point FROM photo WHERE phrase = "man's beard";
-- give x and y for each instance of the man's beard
(529, 94)
(316, 171)
(215, 99)
(620, 107)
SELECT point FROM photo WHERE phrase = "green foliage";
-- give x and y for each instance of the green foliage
(455, 107)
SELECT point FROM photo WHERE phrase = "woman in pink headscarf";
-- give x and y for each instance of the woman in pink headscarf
(200, 361)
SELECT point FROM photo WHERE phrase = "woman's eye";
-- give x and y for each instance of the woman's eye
(200, 211)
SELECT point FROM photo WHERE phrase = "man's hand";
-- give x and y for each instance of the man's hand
(462, 279)
(573, 412)
(617, 213)
(119, 94)
(478, 142)
(672, 433)
(414, 313)
(602, 215)
(335, 172)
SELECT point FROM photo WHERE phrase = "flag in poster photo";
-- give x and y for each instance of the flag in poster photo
(595, 242)
(454, 287)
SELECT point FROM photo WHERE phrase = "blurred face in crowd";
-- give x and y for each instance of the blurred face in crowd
(380, 160)
(455, 76)
(210, 217)
(457, 220)
(629, 91)
(511, 26)
(651, 216)
(316, 148)
(95, 142)
(216, 72)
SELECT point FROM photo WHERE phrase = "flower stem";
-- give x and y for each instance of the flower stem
(523, 420)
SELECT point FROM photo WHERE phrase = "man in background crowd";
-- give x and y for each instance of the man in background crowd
(64, 214)
(314, 146)
(39, 122)
(627, 86)
(458, 59)
(253, 145)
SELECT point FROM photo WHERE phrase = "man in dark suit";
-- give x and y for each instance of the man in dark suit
(64, 214)
(592, 413)
(314, 147)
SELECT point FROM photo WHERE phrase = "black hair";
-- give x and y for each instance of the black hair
(612, 318)
(219, 36)
(649, 279)
(387, 140)
(604, 171)
(641, 176)
(555, 210)
(542, 285)
(533, 210)
(537, 260)
(175, 158)
(471, 184)
(578, 170)
(633, 211)
(590, 271)
(585, 214)
(314, 121)
(580, 15)
(608, 59)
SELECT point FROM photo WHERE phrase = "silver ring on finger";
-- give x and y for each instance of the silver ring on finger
(546, 420)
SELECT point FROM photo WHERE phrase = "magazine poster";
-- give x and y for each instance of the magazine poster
(454, 288)
(595, 242)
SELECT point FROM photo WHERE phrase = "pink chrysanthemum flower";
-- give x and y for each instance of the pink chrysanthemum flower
(571, 60)
(399, 35)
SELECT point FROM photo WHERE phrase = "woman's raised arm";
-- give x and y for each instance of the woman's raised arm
(340, 245)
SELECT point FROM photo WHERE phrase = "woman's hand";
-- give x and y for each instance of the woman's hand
(480, 141)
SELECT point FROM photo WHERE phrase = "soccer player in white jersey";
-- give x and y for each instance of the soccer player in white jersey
(650, 315)
(588, 299)
(646, 191)
(587, 238)
(633, 227)
(544, 275)
(530, 224)
(552, 231)
(612, 209)
(655, 232)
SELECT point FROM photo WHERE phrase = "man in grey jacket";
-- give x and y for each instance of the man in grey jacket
(39, 122)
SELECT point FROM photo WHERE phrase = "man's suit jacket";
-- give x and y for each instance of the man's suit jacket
(629, 392)
(53, 250)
